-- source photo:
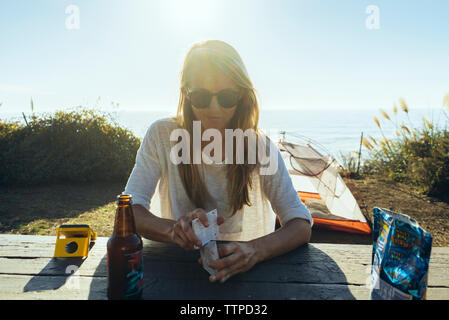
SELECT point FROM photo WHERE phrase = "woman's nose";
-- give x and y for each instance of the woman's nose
(214, 103)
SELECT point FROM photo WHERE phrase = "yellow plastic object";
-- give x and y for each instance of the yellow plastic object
(73, 240)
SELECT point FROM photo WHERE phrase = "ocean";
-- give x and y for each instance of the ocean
(337, 131)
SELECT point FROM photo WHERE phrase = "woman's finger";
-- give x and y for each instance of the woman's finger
(203, 217)
(197, 213)
(232, 269)
(226, 261)
(227, 249)
(220, 220)
(232, 273)
(182, 238)
(189, 234)
(179, 232)
(181, 242)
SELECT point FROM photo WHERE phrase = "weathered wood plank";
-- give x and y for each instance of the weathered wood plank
(307, 265)
(94, 288)
(154, 288)
(24, 241)
(324, 270)
(187, 289)
(265, 271)
(33, 246)
(44, 246)
(340, 270)
(25, 287)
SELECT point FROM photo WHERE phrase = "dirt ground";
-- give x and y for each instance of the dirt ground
(431, 214)
(40, 210)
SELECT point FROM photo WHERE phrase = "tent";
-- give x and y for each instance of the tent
(319, 185)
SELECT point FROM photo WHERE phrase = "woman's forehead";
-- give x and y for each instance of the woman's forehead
(212, 82)
(209, 77)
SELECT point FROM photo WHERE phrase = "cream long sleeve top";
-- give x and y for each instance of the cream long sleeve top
(270, 195)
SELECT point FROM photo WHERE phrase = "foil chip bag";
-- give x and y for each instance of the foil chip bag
(400, 257)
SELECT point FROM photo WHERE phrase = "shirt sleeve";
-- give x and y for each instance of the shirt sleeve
(147, 170)
(279, 190)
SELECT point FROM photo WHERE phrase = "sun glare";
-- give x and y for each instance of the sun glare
(183, 14)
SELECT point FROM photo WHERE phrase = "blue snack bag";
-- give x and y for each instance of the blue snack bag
(400, 257)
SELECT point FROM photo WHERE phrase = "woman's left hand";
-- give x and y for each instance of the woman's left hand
(237, 257)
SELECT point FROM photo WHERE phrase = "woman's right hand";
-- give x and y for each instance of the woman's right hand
(182, 231)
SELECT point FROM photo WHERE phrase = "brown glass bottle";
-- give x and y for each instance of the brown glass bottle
(124, 254)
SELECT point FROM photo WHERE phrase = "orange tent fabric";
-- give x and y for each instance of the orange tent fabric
(351, 226)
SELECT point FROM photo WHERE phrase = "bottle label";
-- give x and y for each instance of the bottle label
(134, 274)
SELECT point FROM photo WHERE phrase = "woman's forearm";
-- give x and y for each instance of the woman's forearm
(152, 227)
(293, 234)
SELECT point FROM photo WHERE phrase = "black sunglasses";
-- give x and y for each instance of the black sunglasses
(201, 98)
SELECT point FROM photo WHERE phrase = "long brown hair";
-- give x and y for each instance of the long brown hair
(224, 57)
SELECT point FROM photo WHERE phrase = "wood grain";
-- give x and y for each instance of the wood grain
(313, 271)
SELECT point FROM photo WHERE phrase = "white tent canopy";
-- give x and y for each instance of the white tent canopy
(319, 185)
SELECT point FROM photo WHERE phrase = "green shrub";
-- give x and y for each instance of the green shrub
(419, 156)
(350, 165)
(67, 146)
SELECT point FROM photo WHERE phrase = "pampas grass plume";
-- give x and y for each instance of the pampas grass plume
(446, 101)
(376, 121)
(367, 144)
(405, 129)
(395, 109)
(403, 105)
(428, 124)
(384, 114)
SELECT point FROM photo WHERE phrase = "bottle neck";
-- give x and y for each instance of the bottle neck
(124, 225)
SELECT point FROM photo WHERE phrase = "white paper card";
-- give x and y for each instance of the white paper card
(206, 234)
(209, 253)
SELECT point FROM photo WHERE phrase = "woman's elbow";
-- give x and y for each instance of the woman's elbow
(308, 232)
(304, 228)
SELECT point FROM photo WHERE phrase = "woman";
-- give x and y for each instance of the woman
(216, 90)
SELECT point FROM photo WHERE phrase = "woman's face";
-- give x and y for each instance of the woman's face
(214, 116)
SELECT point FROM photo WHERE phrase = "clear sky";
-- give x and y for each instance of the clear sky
(299, 54)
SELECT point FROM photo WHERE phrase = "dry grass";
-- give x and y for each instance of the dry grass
(40, 210)
(416, 156)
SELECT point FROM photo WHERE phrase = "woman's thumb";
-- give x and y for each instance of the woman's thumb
(220, 220)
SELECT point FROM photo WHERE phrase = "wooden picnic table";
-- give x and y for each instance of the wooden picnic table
(313, 271)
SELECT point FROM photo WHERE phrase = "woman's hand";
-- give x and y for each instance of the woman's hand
(182, 231)
(241, 256)
(237, 257)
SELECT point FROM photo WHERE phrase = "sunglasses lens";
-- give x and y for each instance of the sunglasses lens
(228, 98)
(200, 98)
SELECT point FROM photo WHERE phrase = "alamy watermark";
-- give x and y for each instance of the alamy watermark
(72, 21)
(257, 148)
(73, 280)
(372, 21)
